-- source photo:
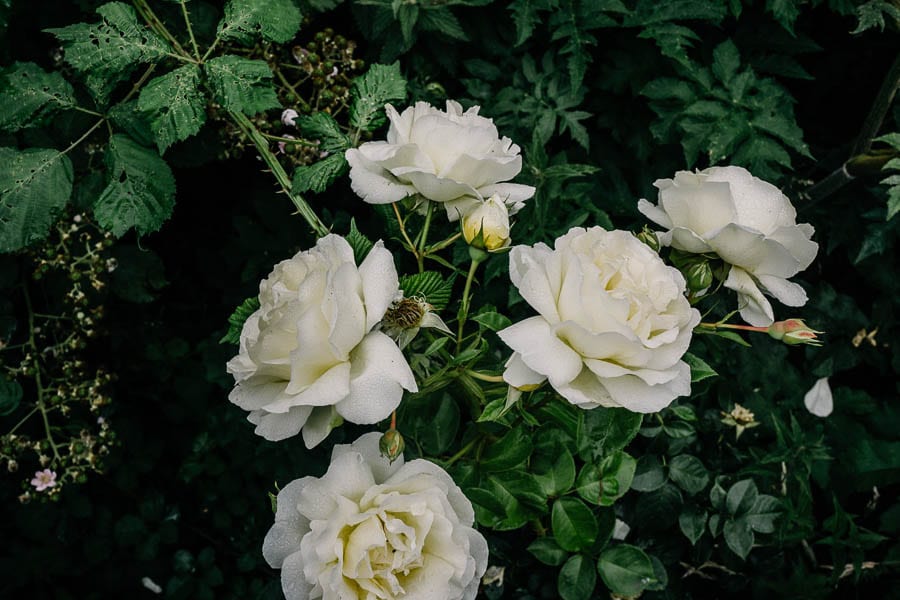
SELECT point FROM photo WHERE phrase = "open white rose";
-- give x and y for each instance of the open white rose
(748, 223)
(374, 530)
(456, 158)
(613, 326)
(310, 355)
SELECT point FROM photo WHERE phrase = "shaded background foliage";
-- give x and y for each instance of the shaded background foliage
(604, 98)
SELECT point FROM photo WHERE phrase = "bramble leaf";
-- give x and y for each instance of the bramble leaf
(107, 52)
(319, 175)
(380, 84)
(28, 95)
(35, 184)
(140, 192)
(238, 318)
(175, 105)
(273, 20)
(241, 84)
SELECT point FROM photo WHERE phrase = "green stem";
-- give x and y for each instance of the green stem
(464, 307)
(278, 138)
(88, 111)
(190, 30)
(262, 146)
(210, 49)
(423, 236)
(484, 376)
(22, 420)
(156, 25)
(300, 100)
(715, 326)
(84, 136)
(462, 452)
(37, 373)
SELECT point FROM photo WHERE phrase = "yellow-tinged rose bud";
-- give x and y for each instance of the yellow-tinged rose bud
(487, 226)
(391, 445)
(793, 332)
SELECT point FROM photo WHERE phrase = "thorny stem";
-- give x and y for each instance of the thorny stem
(278, 138)
(300, 100)
(190, 30)
(156, 25)
(262, 146)
(412, 247)
(423, 236)
(88, 111)
(210, 49)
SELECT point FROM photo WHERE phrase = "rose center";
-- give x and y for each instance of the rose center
(380, 553)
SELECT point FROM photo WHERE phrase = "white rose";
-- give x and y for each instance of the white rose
(310, 355)
(613, 324)
(748, 223)
(454, 157)
(375, 530)
(491, 219)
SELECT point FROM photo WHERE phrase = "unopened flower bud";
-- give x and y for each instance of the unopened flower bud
(793, 332)
(699, 276)
(391, 445)
(487, 227)
(288, 117)
(648, 237)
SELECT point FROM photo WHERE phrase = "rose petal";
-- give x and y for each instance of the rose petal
(754, 307)
(279, 426)
(517, 373)
(321, 421)
(819, 400)
(379, 283)
(542, 351)
(374, 184)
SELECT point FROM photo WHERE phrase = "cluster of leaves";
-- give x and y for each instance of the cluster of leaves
(602, 96)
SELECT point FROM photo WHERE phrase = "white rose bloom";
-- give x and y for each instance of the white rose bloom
(374, 530)
(456, 158)
(748, 223)
(310, 355)
(613, 324)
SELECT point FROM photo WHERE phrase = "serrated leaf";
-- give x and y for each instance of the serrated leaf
(626, 570)
(738, 536)
(688, 473)
(699, 369)
(28, 95)
(238, 318)
(105, 53)
(785, 12)
(526, 16)
(380, 84)
(140, 192)
(872, 14)
(574, 525)
(272, 20)
(129, 118)
(242, 85)
(434, 288)
(360, 244)
(175, 105)
(322, 126)
(319, 175)
(726, 61)
(35, 185)
(577, 579)
(672, 39)
(443, 21)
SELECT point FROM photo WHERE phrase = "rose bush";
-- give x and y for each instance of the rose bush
(310, 355)
(456, 158)
(748, 223)
(372, 529)
(613, 325)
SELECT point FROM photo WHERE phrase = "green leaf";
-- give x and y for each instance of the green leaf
(35, 185)
(508, 452)
(492, 320)
(546, 550)
(607, 430)
(741, 497)
(738, 536)
(175, 105)
(28, 95)
(140, 192)
(242, 85)
(10, 396)
(577, 579)
(437, 430)
(441, 20)
(129, 118)
(360, 244)
(660, 509)
(319, 175)
(555, 475)
(626, 570)
(521, 497)
(574, 524)
(726, 61)
(699, 369)
(692, 523)
(617, 474)
(872, 14)
(430, 285)
(688, 473)
(762, 515)
(272, 20)
(238, 318)
(322, 126)
(107, 52)
(649, 474)
(380, 84)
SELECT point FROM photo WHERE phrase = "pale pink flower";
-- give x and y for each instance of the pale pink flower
(44, 479)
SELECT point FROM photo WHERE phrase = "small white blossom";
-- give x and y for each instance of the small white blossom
(289, 117)
(44, 480)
